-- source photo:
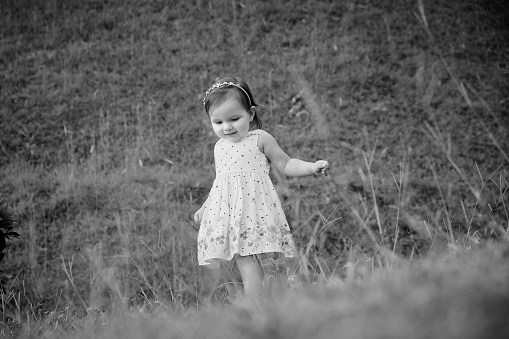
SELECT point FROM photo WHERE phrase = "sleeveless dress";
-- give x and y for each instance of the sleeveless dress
(243, 214)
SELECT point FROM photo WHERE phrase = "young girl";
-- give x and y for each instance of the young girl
(242, 221)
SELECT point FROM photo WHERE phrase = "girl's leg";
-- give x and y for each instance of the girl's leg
(233, 282)
(252, 275)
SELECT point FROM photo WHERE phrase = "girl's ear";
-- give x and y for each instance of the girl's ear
(252, 113)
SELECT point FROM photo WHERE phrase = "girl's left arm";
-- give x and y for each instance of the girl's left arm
(284, 164)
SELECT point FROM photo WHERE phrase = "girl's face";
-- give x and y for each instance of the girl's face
(230, 120)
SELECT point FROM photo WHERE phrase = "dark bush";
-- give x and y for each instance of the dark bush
(7, 223)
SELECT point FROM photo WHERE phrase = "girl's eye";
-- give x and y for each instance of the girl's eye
(235, 119)
(217, 122)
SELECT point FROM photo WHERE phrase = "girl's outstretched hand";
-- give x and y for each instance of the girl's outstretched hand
(198, 216)
(321, 166)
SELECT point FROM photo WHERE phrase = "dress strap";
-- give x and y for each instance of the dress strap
(256, 133)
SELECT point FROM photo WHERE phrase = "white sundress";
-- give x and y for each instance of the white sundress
(243, 214)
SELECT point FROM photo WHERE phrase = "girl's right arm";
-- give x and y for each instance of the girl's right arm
(199, 214)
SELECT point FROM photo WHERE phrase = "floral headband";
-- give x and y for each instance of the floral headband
(222, 84)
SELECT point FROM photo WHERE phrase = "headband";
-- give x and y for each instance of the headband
(222, 84)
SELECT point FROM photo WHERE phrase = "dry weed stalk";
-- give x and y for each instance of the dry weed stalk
(399, 187)
(304, 263)
(311, 103)
(372, 186)
(445, 147)
(68, 272)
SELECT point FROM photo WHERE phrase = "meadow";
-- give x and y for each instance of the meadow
(106, 153)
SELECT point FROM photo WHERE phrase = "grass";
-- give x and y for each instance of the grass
(106, 153)
(463, 294)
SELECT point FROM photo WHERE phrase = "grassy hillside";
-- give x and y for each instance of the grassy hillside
(105, 150)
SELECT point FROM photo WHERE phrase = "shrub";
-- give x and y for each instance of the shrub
(7, 223)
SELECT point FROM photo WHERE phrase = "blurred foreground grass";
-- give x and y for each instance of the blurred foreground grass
(461, 295)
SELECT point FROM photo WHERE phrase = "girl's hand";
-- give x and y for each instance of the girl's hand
(198, 216)
(321, 166)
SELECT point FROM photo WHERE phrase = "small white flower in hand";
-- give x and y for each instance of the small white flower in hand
(322, 166)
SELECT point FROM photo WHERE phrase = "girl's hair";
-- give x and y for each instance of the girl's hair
(232, 86)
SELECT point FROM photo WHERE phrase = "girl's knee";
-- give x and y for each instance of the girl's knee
(248, 263)
(245, 260)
